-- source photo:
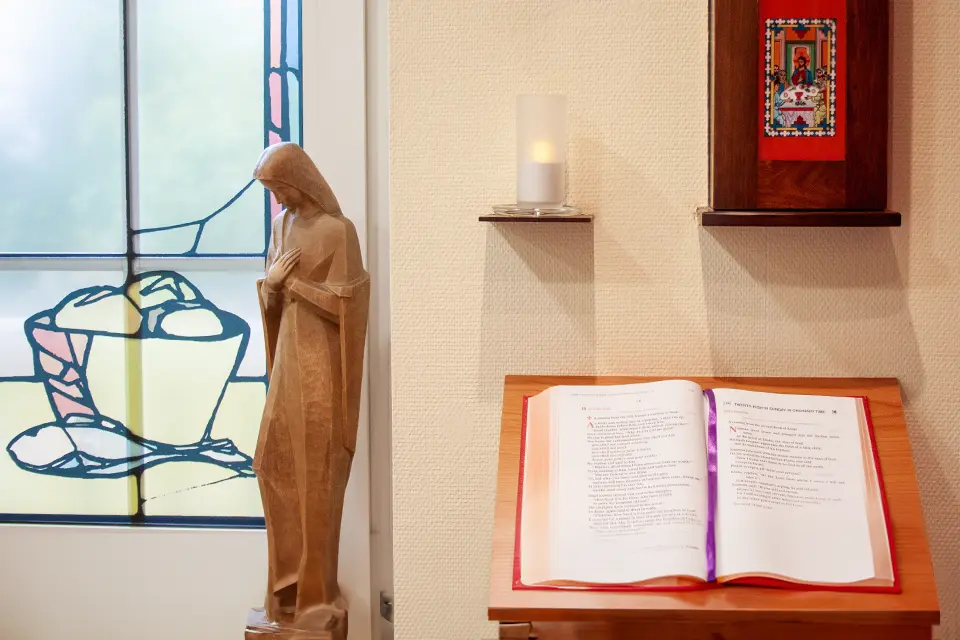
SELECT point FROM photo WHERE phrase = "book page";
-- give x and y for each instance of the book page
(631, 486)
(791, 496)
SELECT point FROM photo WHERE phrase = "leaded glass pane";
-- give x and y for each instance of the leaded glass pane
(61, 127)
(202, 390)
(200, 99)
(65, 380)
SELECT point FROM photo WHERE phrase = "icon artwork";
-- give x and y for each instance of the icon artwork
(800, 77)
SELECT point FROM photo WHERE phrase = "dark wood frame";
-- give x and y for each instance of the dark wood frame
(743, 183)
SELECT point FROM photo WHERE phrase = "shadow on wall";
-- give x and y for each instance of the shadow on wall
(930, 418)
(538, 303)
(808, 302)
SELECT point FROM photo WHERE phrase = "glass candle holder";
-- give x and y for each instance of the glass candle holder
(541, 151)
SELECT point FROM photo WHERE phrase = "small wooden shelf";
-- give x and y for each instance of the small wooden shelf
(546, 217)
(815, 218)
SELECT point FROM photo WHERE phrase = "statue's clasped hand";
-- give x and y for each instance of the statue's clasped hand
(281, 269)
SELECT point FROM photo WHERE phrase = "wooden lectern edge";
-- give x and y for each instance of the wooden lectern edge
(710, 616)
(917, 605)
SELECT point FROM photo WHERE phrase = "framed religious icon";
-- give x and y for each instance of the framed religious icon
(800, 113)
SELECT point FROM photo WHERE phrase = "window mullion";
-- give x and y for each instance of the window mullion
(131, 133)
(133, 355)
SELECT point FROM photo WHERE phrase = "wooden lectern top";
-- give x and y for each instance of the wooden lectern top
(916, 605)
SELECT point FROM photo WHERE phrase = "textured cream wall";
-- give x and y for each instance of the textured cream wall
(644, 290)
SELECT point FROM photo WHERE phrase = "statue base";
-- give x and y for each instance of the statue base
(260, 628)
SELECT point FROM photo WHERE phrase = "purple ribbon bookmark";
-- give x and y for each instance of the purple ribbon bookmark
(711, 486)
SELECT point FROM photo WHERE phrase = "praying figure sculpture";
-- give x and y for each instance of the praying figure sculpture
(314, 300)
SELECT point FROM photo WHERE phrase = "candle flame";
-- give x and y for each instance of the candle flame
(543, 151)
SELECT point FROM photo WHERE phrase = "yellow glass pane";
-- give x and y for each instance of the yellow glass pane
(194, 400)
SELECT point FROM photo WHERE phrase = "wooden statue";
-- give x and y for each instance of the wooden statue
(314, 300)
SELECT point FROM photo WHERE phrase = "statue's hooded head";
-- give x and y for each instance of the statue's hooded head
(285, 166)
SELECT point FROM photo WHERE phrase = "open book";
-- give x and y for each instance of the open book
(665, 485)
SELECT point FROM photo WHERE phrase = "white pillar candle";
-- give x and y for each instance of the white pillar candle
(541, 151)
(540, 184)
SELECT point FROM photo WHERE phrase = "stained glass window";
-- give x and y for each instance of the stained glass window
(132, 369)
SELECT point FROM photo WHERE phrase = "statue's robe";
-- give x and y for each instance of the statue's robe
(314, 329)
